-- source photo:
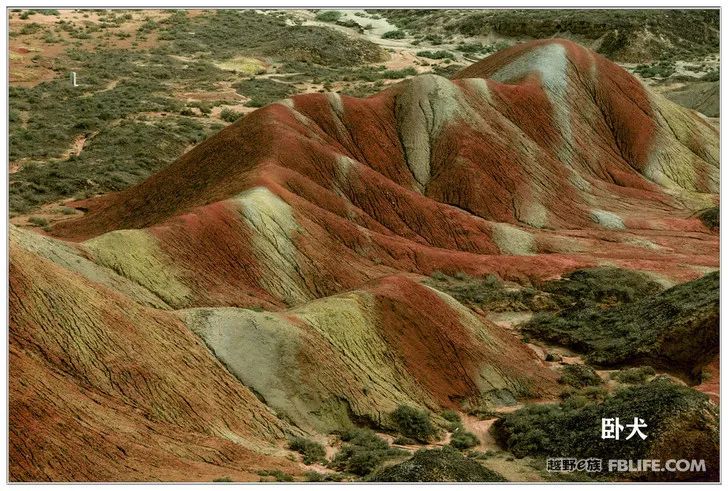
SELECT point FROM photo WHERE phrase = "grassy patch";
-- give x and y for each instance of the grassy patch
(579, 376)
(229, 115)
(675, 32)
(402, 73)
(440, 465)
(480, 48)
(118, 86)
(463, 440)
(263, 91)
(394, 34)
(436, 55)
(677, 328)
(243, 65)
(117, 157)
(414, 423)
(329, 16)
(38, 221)
(661, 69)
(313, 476)
(276, 474)
(266, 35)
(362, 452)
(593, 287)
(669, 410)
(452, 418)
(309, 449)
(485, 292)
(635, 375)
(602, 286)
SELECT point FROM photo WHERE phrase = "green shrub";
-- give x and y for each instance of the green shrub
(263, 91)
(475, 48)
(711, 76)
(437, 55)
(439, 276)
(453, 418)
(38, 221)
(437, 465)
(362, 452)
(310, 450)
(363, 437)
(313, 476)
(637, 375)
(351, 24)
(673, 414)
(413, 423)
(462, 440)
(579, 376)
(229, 115)
(477, 454)
(485, 292)
(589, 393)
(116, 158)
(31, 28)
(67, 210)
(711, 218)
(395, 74)
(603, 286)
(223, 479)
(662, 69)
(677, 328)
(277, 474)
(395, 34)
(328, 16)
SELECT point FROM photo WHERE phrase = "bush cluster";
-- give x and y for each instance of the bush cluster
(579, 376)
(395, 34)
(676, 328)
(574, 429)
(310, 450)
(328, 16)
(437, 55)
(437, 465)
(636, 375)
(711, 217)
(463, 440)
(362, 452)
(414, 423)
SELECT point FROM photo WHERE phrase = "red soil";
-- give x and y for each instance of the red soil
(130, 389)
(441, 352)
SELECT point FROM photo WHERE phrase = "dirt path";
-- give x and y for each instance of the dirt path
(77, 145)
(498, 460)
(481, 429)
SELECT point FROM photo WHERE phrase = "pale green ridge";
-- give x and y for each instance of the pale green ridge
(70, 257)
(136, 255)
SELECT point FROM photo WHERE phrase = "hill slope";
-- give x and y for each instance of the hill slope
(543, 149)
(620, 34)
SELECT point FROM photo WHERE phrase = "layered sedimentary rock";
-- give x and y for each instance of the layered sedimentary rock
(267, 283)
